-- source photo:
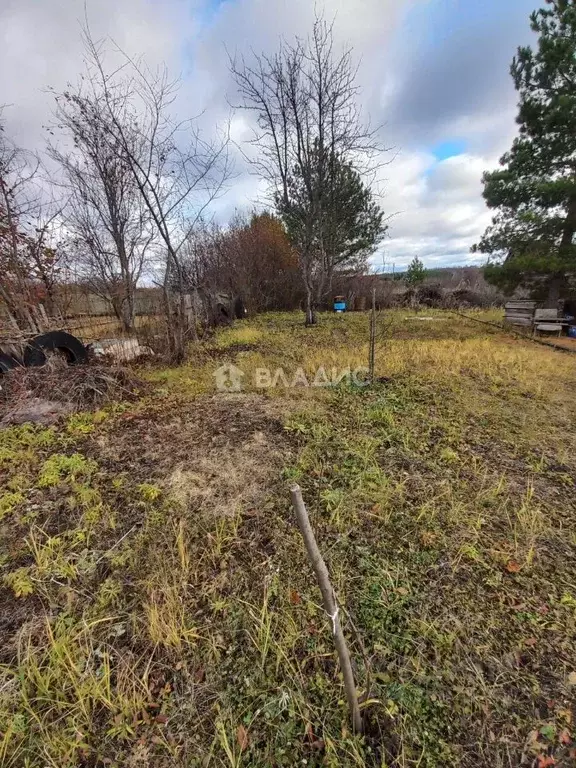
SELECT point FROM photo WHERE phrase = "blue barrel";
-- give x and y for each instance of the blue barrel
(572, 331)
(339, 304)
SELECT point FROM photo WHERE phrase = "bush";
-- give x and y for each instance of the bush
(464, 297)
(424, 295)
(430, 295)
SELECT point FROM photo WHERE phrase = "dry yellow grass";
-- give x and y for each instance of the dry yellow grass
(159, 609)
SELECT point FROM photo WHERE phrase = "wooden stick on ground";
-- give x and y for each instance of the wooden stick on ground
(329, 601)
(372, 337)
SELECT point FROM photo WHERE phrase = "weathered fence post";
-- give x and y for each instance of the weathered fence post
(372, 337)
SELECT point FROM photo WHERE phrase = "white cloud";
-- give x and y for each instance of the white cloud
(41, 47)
(439, 211)
(423, 92)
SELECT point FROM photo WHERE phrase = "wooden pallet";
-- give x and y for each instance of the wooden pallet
(519, 313)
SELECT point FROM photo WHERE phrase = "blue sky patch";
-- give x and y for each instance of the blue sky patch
(450, 148)
(211, 8)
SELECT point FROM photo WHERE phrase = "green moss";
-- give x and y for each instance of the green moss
(8, 502)
(60, 467)
(148, 491)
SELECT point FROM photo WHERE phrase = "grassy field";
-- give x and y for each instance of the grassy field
(157, 607)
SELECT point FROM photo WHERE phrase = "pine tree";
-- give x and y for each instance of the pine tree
(415, 273)
(531, 237)
(348, 224)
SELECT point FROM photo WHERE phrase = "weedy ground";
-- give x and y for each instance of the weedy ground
(157, 608)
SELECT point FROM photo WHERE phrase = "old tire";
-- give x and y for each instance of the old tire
(55, 341)
(7, 363)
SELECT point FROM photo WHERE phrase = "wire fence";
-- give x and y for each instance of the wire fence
(104, 334)
(147, 330)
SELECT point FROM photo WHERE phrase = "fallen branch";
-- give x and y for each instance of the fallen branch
(330, 605)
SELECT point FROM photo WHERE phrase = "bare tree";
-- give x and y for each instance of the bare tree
(308, 125)
(106, 215)
(177, 173)
(30, 251)
(48, 251)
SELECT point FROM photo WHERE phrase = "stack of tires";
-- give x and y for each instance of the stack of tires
(37, 351)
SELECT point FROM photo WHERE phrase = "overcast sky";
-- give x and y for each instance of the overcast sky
(434, 73)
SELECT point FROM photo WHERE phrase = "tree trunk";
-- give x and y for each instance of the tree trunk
(127, 315)
(555, 290)
(558, 282)
(123, 313)
(310, 308)
(190, 313)
(175, 328)
(179, 340)
(168, 317)
(569, 227)
(175, 312)
(50, 301)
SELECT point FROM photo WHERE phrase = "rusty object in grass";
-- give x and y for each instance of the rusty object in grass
(330, 604)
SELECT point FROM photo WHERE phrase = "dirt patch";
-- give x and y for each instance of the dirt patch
(37, 411)
(216, 455)
(15, 618)
(564, 341)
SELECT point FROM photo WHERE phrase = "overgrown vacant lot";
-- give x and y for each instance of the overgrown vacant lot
(157, 607)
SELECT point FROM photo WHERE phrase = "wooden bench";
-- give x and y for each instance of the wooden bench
(547, 320)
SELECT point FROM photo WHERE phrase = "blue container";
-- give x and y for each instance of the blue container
(572, 331)
(339, 306)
